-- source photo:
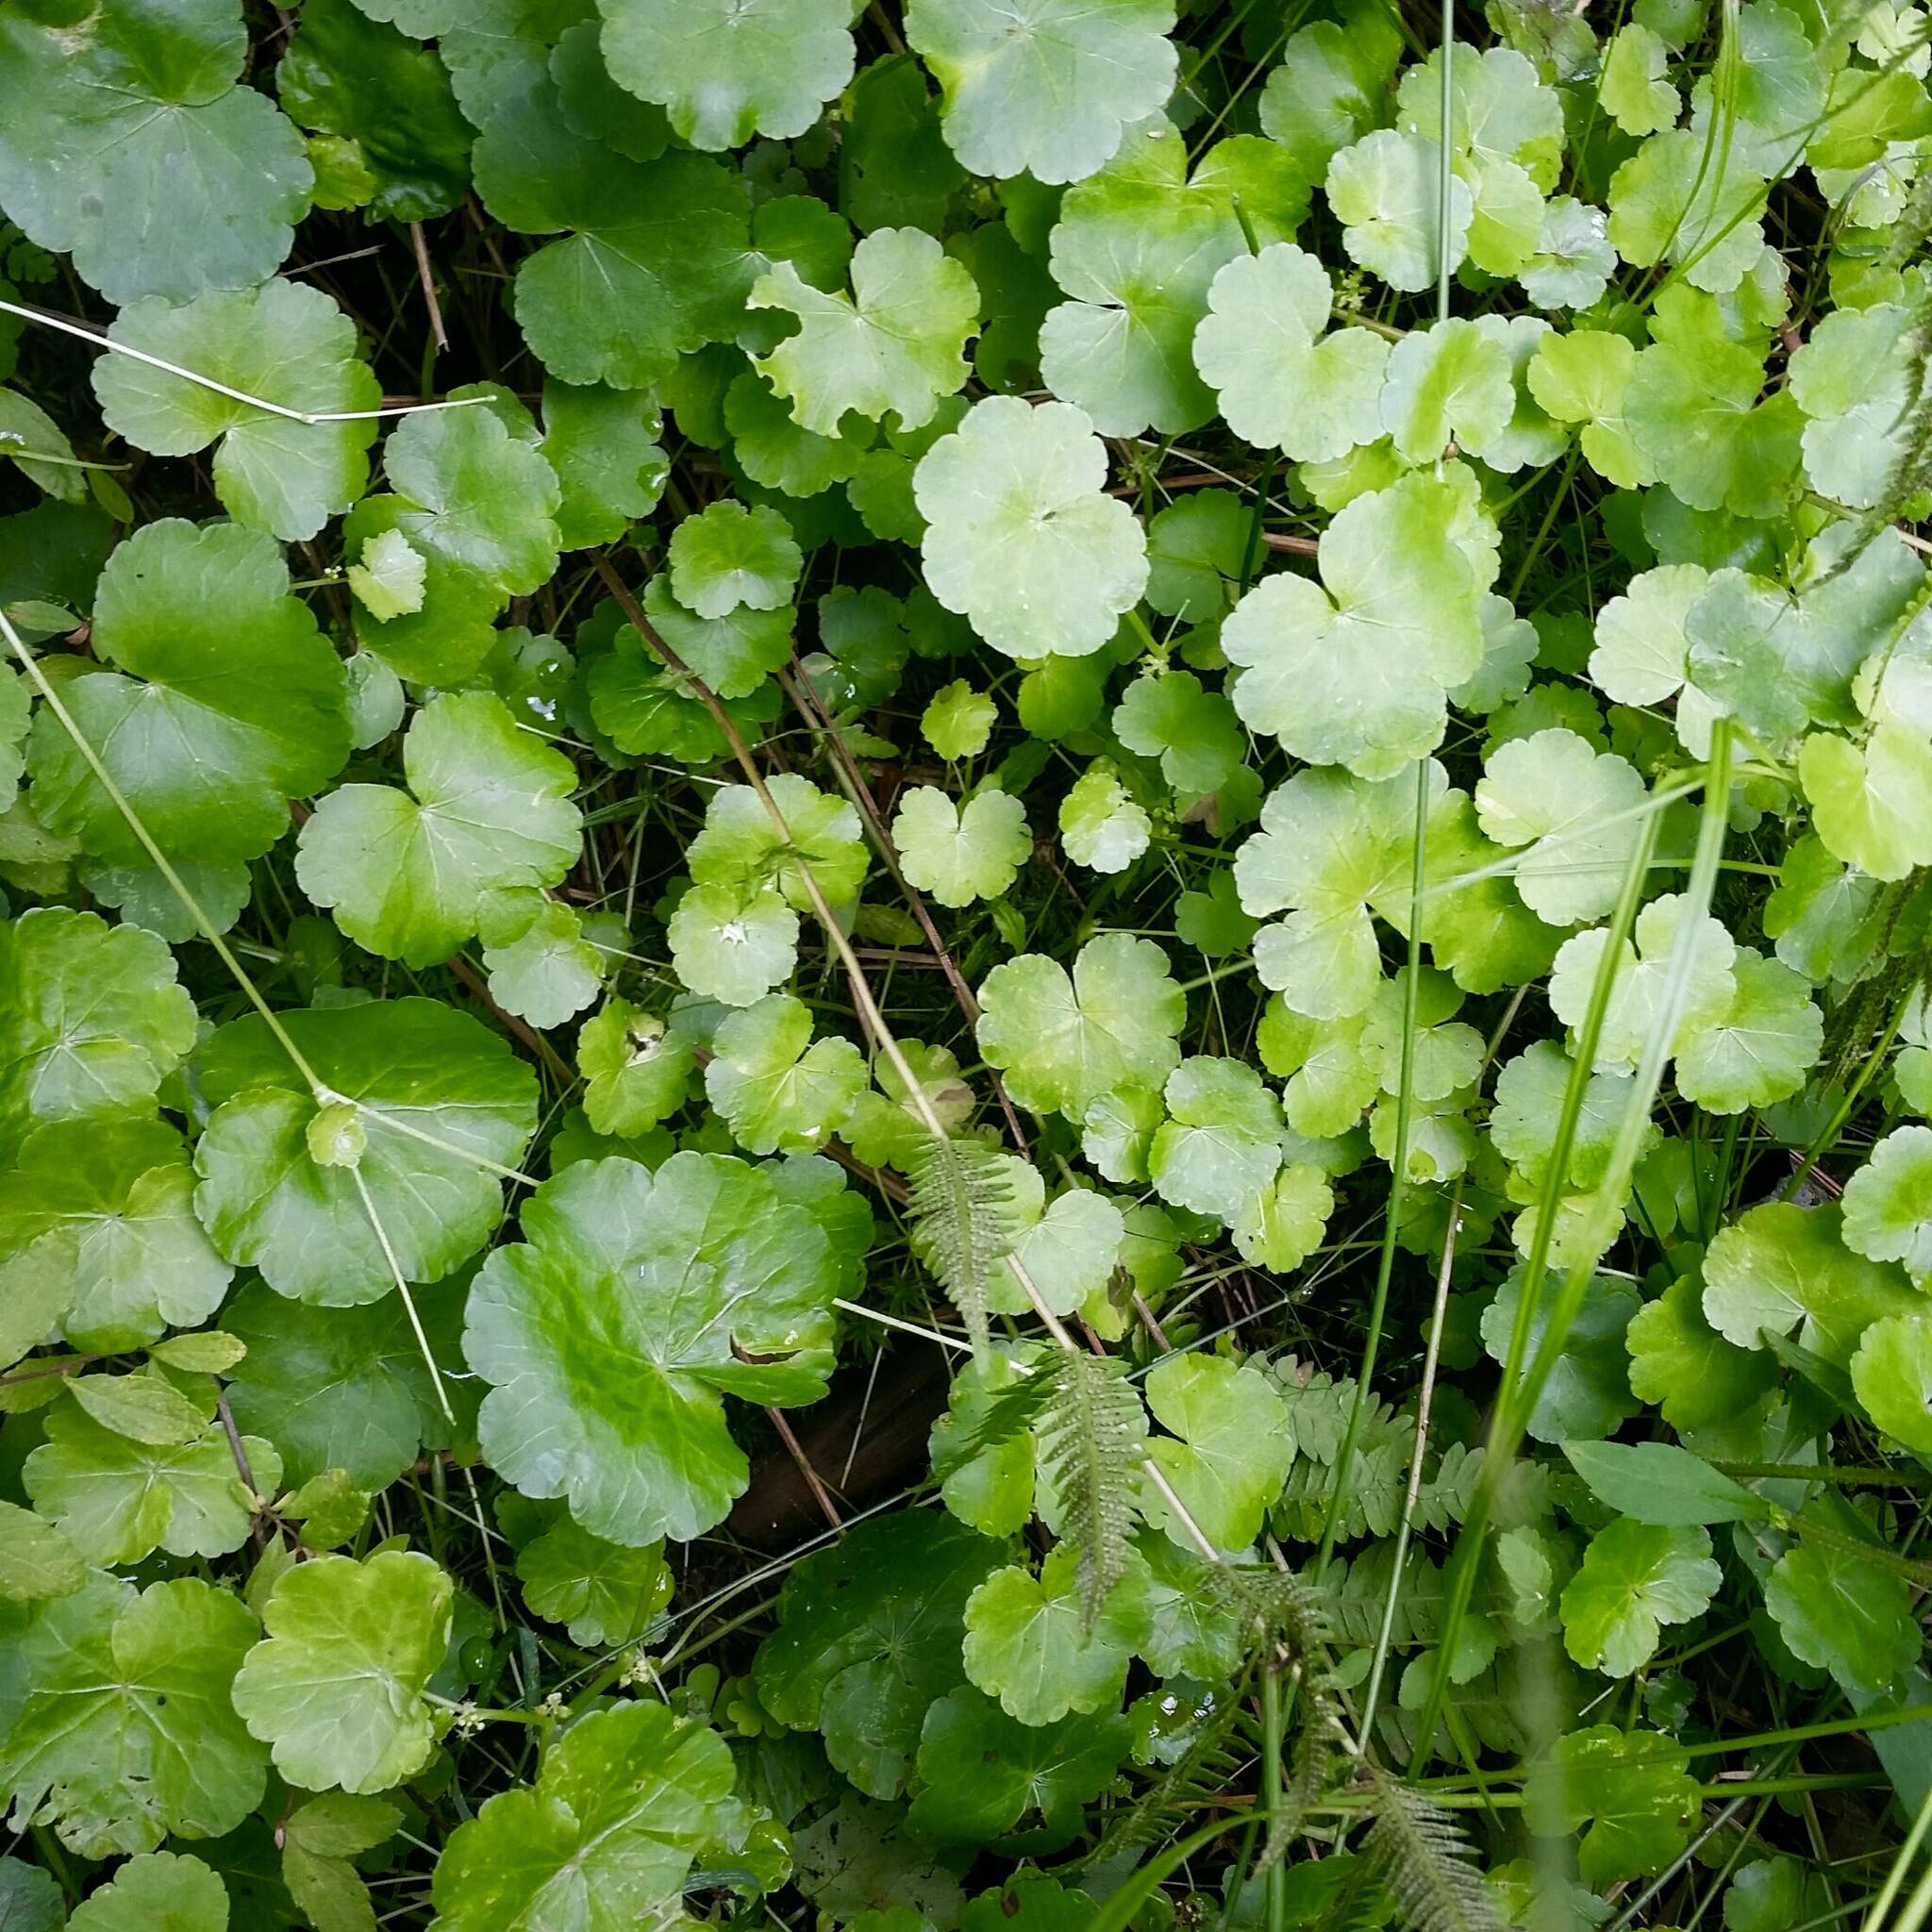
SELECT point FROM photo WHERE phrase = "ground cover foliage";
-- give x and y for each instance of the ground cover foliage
(964, 964)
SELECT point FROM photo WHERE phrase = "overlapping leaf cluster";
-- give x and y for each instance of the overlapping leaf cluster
(1225, 716)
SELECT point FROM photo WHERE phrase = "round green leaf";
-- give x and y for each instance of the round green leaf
(445, 1105)
(37, 1560)
(1447, 383)
(1062, 1041)
(1193, 732)
(733, 654)
(1026, 1642)
(135, 150)
(31, 1896)
(1069, 1246)
(780, 1091)
(869, 1634)
(983, 1772)
(1330, 846)
(1020, 539)
(635, 1072)
(612, 1334)
(406, 873)
(654, 264)
(1852, 381)
(1587, 1395)
(108, 1205)
(1872, 804)
(92, 1020)
(1397, 593)
(1285, 380)
(725, 70)
(959, 722)
(606, 1594)
(1221, 1144)
(1386, 191)
(1888, 1203)
(1136, 247)
(342, 1388)
(1579, 812)
(541, 966)
(606, 1837)
(1761, 1048)
(732, 942)
(1693, 412)
(959, 853)
(284, 341)
(741, 848)
(1635, 1577)
(336, 1686)
(896, 345)
(1631, 1792)
(1101, 826)
(157, 1892)
(1229, 1451)
(1676, 200)
(728, 556)
(1049, 89)
(1583, 378)
(1640, 985)
(224, 703)
(477, 497)
(122, 1499)
(611, 468)
(1780, 1269)
(125, 1732)
(1845, 1613)
(1892, 1375)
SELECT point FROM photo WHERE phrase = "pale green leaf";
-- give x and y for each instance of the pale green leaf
(1062, 1041)
(724, 70)
(959, 853)
(286, 343)
(1048, 90)
(1353, 671)
(896, 345)
(1020, 539)
(336, 1687)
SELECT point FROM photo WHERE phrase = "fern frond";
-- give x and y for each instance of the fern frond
(1422, 1859)
(1091, 1439)
(1277, 1608)
(1357, 1593)
(1203, 1770)
(1315, 1752)
(963, 1221)
(1375, 1501)
(993, 1422)
(1317, 1412)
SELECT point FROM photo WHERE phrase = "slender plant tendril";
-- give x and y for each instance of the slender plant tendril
(1901, 1866)
(1343, 1488)
(221, 389)
(204, 925)
(1418, 884)
(1519, 1391)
